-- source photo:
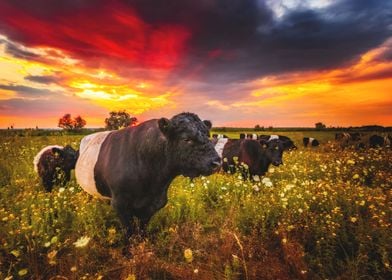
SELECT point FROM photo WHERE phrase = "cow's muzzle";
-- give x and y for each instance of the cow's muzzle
(277, 162)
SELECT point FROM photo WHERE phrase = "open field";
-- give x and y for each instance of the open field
(324, 214)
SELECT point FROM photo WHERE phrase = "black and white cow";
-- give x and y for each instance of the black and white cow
(380, 141)
(51, 161)
(288, 144)
(133, 167)
(312, 142)
(350, 139)
(256, 156)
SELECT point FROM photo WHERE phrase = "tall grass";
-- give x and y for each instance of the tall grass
(324, 214)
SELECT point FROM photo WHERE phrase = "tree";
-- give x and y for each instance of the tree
(258, 127)
(79, 122)
(320, 126)
(66, 122)
(119, 119)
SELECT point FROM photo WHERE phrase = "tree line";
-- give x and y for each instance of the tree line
(116, 120)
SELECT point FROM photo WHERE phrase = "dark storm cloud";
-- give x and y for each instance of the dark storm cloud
(18, 52)
(230, 40)
(25, 91)
(305, 40)
(42, 79)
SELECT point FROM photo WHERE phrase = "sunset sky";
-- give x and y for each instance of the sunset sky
(235, 62)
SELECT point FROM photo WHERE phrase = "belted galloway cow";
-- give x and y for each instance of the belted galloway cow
(312, 142)
(53, 160)
(257, 156)
(133, 167)
(288, 144)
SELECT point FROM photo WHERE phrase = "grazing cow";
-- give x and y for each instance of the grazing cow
(379, 141)
(257, 156)
(54, 159)
(354, 136)
(288, 144)
(133, 167)
(310, 141)
(347, 139)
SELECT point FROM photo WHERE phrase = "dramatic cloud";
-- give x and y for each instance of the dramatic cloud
(248, 60)
(26, 91)
(42, 79)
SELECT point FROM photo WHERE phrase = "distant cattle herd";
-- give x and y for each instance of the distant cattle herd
(134, 167)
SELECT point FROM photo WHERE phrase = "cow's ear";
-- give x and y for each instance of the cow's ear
(57, 152)
(165, 125)
(208, 124)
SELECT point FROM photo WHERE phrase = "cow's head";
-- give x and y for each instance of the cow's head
(273, 150)
(289, 145)
(68, 155)
(189, 144)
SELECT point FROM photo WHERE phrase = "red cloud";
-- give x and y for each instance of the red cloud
(112, 30)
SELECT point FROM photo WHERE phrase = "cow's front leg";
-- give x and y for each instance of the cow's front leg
(47, 181)
(125, 214)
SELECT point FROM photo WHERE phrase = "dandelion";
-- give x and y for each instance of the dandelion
(255, 188)
(196, 271)
(82, 242)
(73, 269)
(131, 277)
(350, 161)
(284, 240)
(356, 176)
(188, 255)
(353, 219)
(52, 257)
(23, 272)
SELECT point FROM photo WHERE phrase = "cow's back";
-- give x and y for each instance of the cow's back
(88, 154)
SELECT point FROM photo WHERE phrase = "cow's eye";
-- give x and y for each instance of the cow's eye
(187, 140)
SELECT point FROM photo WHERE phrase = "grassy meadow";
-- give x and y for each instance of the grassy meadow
(324, 214)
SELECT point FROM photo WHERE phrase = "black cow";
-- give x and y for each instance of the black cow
(257, 156)
(51, 161)
(310, 141)
(288, 144)
(135, 166)
(379, 141)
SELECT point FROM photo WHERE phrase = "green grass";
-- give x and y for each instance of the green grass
(327, 215)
